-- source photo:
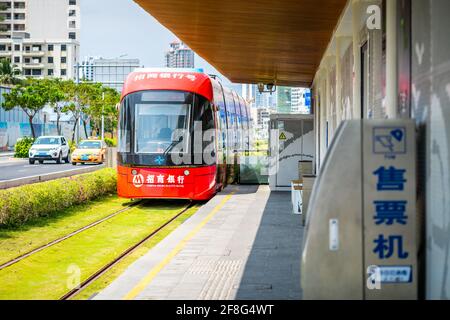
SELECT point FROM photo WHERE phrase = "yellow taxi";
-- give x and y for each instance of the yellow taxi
(89, 151)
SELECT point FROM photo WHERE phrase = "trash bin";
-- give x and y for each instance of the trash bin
(296, 196)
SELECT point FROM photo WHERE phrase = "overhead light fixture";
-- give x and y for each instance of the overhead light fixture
(270, 87)
(261, 87)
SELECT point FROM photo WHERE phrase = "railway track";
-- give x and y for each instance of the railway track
(72, 293)
(53, 242)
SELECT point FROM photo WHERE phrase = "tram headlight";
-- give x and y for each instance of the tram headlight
(134, 172)
(186, 172)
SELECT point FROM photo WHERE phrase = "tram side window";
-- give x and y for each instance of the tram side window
(124, 127)
(205, 113)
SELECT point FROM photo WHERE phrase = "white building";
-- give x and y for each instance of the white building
(179, 56)
(110, 72)
(41, 37)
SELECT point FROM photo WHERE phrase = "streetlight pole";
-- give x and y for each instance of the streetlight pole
(103, 116)
(77, 75)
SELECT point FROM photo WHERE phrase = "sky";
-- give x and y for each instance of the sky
(113, 28)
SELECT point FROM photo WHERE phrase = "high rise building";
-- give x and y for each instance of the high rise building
(41, 36)
(110, 72)
(179, 56)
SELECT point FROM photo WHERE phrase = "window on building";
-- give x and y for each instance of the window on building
(19, 16)
(17, 47)
(63, 59)
(2, 47)
(5, 27)
(16, 59)
(63, 47)
(27, 60)
(50, 47)
(50, 72)
(36, 72)
(72, 35)
(63, 72)
(72, 2)
(7, 5)
(19, 5)
(50, 59)
(72, 24)
(72, 13)
(19, 27)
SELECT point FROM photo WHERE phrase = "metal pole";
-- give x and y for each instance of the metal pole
(391, 59)
(77, 77)
(103, 117)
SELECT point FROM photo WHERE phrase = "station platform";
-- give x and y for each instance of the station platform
(245, 243)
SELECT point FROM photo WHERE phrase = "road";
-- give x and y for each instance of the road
(17, 168)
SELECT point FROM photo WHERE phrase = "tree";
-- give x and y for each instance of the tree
(70, 91)
(31, 96)
(105, 105)
(54, 88)
(88, 96)
(9, 72)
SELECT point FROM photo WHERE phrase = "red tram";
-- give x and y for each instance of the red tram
(180, 135)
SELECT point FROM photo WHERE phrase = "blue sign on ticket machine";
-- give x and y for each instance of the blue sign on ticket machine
(360, 237)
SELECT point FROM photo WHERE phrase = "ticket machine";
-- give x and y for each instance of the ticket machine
(360, 234)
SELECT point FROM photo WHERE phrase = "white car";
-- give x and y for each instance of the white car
(49, 148)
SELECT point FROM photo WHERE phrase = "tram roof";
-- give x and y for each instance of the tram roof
(279, 41)
(168, 79)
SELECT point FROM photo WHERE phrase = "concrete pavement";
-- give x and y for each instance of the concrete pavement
(241, 245)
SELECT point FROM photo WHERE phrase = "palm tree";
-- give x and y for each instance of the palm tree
(8, 72)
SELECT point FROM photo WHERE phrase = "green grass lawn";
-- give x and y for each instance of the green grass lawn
(117, 270)
(49, 273)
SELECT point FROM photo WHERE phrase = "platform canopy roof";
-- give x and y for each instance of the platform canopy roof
(267, 41)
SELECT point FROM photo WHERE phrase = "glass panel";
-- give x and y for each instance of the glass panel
(90, 145)
(156, 126)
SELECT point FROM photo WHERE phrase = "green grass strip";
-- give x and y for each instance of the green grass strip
(108, 277)
(50, 273)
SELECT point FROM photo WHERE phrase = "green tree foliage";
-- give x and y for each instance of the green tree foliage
(9, 73)
(105, 105)
(54, 88)
(31, 96)
(86, 101)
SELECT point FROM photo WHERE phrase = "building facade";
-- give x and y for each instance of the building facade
(284, 100)
(179, 56)
(110, 72)
(38, 49)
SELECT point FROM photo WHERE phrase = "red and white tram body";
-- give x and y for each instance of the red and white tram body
(180, 135)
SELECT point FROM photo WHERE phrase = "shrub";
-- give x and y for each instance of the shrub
(111, 142)
(22, 147)
(21, 204)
